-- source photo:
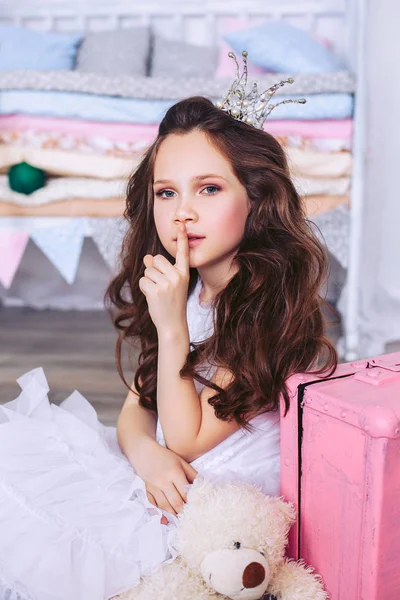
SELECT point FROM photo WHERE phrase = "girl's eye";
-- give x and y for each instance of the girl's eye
(211, 189)
(162, 192)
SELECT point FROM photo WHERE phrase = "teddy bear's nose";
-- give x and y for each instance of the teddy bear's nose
(253, 575)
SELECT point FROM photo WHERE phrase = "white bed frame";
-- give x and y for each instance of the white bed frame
(342, 22)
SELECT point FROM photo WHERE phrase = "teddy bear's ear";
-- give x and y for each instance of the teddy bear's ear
(278, 518)
(284, 511)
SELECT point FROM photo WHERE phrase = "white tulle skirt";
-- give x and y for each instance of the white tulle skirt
(75, 521)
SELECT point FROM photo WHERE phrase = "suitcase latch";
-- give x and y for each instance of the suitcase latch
(379, 372)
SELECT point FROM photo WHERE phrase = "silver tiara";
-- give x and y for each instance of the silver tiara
(252, 107)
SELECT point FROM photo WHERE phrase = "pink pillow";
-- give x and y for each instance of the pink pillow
(226, 65)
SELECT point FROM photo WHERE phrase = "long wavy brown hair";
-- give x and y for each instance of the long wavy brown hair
(268, 320)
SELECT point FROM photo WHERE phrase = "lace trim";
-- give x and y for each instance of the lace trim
(233, 444)
(227, 448)
(221, 454)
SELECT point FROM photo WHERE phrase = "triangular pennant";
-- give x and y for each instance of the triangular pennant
(108, 234)
(12, 248)
(62, 246)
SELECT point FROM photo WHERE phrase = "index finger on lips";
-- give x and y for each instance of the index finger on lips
(182, 250)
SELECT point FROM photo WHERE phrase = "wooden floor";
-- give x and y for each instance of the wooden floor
(75, 349)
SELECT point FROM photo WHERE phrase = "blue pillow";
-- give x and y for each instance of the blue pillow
(278, 46)
(22, 48)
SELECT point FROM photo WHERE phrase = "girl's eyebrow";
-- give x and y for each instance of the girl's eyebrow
(195, 178)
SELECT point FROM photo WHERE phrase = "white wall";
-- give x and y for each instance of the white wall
(380, 291)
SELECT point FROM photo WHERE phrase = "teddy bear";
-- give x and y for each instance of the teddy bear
(231, 539)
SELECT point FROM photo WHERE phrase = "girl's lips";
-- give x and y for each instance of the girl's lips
(194, 241)
(200, 237)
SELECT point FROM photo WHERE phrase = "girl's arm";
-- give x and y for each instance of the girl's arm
(165, 474)
(136, 427)
(189, 424)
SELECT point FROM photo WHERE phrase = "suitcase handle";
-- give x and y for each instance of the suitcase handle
(390, 366)
(383, 373)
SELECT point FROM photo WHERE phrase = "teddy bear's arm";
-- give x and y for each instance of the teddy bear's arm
(174, 581)
(296, 581)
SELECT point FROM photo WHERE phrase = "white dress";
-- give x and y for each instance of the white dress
(75, 522)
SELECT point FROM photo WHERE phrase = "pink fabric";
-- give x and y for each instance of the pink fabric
(226, 66)
(12, 248)
(340, 129)
(120, 132)
(130, 132)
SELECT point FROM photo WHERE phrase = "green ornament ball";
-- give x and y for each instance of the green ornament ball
(26, 179)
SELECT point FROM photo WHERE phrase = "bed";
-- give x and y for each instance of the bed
(88, 130)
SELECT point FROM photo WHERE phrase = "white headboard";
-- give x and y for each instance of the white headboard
(197, 21)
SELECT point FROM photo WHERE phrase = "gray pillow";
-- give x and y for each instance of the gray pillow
(119, 52)
(171, 58)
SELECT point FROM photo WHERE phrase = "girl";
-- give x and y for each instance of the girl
(220, 282)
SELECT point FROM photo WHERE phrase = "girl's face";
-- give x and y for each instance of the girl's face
(194, 184)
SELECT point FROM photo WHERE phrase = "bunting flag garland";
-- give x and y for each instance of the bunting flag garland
(108, 234)
(12, 248)
(61, 239)
(62, 245)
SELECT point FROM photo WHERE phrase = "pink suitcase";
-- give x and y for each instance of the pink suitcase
(340, 466)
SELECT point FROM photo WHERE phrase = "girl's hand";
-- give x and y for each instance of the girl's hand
(166, 286)
(165, 474)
